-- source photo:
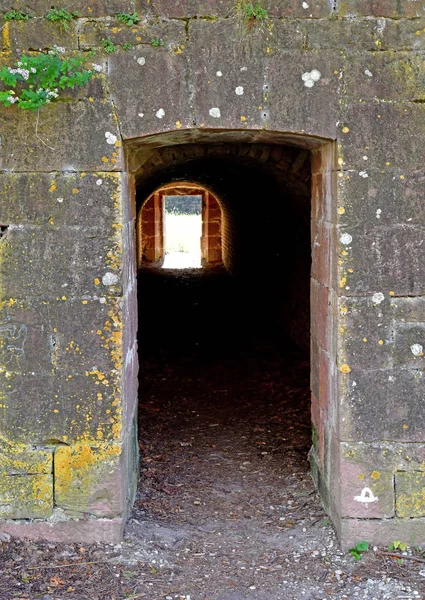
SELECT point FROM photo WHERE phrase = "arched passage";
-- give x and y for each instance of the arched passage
(276, 197)
(150, 224)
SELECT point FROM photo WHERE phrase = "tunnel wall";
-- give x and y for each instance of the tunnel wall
(313, 74)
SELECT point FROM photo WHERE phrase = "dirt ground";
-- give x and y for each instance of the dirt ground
(226, 509)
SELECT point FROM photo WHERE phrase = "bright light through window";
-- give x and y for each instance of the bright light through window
(183, 231)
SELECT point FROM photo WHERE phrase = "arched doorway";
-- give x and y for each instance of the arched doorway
(276, 196)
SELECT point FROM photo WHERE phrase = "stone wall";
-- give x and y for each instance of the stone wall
(341, 79)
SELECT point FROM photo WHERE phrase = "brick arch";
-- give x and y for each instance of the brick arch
(150, 224)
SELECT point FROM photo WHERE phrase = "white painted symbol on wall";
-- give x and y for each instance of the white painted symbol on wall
(366, 496)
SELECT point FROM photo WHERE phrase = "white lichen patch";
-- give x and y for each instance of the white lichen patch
(417, 350)
(110, 279)
(305, 5)
(141, 61)
(346, 239)
(160, 114)
(215, 112)
(368, 73)
(141, 115)
(239, 90)
(310, 78)
(363, 174)
(102, 300)
(242, 69)
(378, 298)
(60, 200)
(110, 138)
(378, 213)
(219, 74)
(99, 182)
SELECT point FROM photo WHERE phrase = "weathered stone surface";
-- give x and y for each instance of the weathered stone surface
(88, 479)
(367, 337)
(381, 531)
(408, 310)
(385, 259)
(74, 262)
(368, 492)
(341, 34)
(139, 67)
(40, 34)
(248, 90)
(382, 404)
(63, 408)
(20, 460)
(88, 531)
(92, 8)
(382, 199)
(409, 345)
(172, 35)
(410, 494)
(26, 496)
(70, 136)
(382, 8)
(367, 128)
(39, 336)
(385, 75)
(186, 8)
(61, 198)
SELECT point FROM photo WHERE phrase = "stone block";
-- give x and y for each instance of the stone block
(18, 460)
(61, 335)
(61, 199)
(246, 91)
(366, 339)
(40, 34)
(367, 491)
(381, 8)
(73, 262)
(382, 404)
(386, 259)
(380, 532)
(341, 34)
(92, 8)
(322, 235)
(87, 531)
(88, 479)
(385, 75)
(314, 9)
(186, 8)
(71, 136)
(367, 129)
(370, 198)
(26, 496)
(63, 408)
(403, 34)
(93, 33)
(145, 109)
(409, 345)
(321, 319)
(408, 310)
(410, 494)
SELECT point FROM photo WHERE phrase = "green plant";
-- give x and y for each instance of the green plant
(253, 11)
(36, 80)
(109, 46)
(17, 15)
(359, 549)
(128, 19)
(156, 42)
(397, 545)
(127, 46)
(61, 16)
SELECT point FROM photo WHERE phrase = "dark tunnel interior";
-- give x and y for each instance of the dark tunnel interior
(260, 296)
